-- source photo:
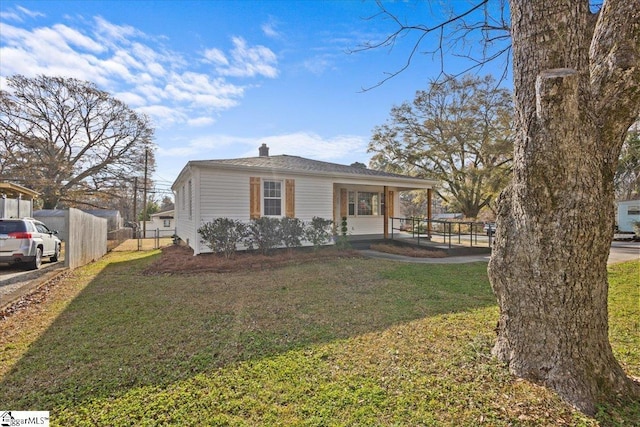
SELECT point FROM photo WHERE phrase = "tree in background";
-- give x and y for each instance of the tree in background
(70, 141)
(152, 207)
(459, 132)
(627, 180)
(167, 204)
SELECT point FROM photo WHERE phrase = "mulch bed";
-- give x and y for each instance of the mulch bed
(179, 260)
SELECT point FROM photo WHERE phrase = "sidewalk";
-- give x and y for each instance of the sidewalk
(620, 252)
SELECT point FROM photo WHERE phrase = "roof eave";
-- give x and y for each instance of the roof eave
(406, 181)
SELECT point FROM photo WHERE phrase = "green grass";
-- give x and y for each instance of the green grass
(341, 342)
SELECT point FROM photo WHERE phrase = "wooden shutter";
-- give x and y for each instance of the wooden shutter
(343, 203)
(290, 198)
(254, 197)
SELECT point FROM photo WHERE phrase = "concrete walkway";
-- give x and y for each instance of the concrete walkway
(620, 252)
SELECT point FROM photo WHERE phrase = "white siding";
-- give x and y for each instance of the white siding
(185, 225)
(314, 197)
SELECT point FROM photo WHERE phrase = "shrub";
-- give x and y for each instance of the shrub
(342, 240)
(318, 231)
(263, 234)
(222, 235)
(292, 232)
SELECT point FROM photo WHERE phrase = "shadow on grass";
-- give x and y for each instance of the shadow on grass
(126, 330)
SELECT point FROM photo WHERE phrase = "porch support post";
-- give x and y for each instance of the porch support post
(385, 221)
(429, 199)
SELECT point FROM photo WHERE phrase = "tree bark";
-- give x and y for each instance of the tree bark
(576, 79)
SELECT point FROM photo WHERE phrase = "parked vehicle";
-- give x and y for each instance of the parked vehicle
(490, 228)
(26, 241)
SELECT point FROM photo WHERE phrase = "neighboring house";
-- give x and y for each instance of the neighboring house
(627, 214)
(291, 186)
(113, 217)
(16, 201)
(162, 223)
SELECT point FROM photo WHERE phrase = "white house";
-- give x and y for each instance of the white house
(290, 186)
(162, 224)
(627, 214)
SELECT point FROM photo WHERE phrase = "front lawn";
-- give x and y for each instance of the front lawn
(338, 341)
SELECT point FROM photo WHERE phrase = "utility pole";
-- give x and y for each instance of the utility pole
(135, 204)
(144, 202)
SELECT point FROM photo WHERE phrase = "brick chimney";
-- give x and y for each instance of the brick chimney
(264, 150)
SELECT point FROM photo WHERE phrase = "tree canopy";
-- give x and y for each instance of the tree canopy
(459, 132)
(70, 141)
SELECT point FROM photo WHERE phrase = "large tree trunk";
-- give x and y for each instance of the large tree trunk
(576, 85)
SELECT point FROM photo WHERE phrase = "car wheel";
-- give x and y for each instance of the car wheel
(37, 261)
(56, 254)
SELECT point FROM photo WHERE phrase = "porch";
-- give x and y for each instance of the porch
(453, 237)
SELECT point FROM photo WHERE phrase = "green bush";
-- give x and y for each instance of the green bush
(318, 231)
(222, 235)
(263, 234)
(292, 232)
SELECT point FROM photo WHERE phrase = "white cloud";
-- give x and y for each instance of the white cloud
(163, 116)
(201, 121)
(131, 99)
(112, 32)
(313, 146)
(269, 29)
(215, 56)
(18, 14)
(250, 61)
(344, 149)
(123, 60)
(29, 13)
(76, 38)
(318, 64)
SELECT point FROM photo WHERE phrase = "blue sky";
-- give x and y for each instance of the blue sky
(219, 78)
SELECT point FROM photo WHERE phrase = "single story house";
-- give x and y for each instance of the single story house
(162, 223)
(627, 215)
(292, 186)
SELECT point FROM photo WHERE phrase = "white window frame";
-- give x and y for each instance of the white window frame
(265, 196)
(353, 210)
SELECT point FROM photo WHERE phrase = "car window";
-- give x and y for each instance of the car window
(7, 227)
(41, 228)
(30, 226)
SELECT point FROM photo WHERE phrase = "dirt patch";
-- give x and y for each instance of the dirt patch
(179, 259)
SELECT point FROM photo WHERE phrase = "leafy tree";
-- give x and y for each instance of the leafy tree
(458, 132)
(69, 140)
(167, 204)
(576, 74)
(152, 207)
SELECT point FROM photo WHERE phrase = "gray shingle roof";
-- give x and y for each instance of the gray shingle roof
(298, 164)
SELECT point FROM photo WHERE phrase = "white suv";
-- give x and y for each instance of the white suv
(26, 241)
